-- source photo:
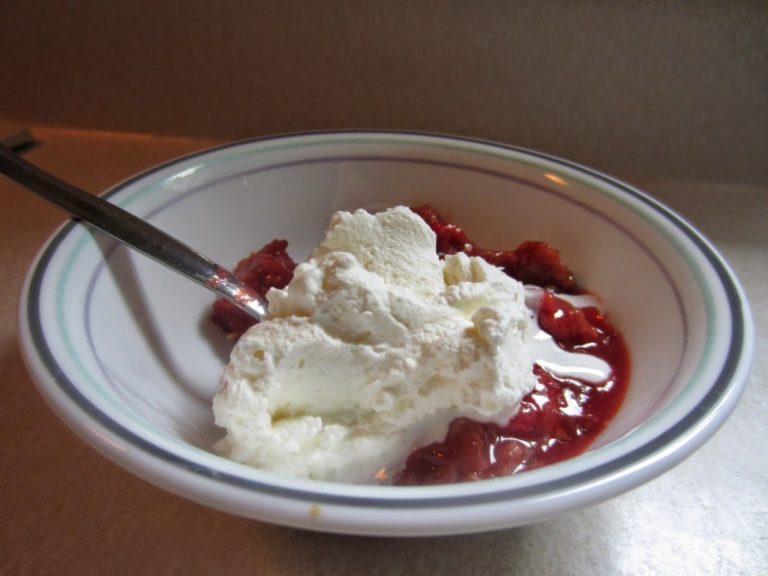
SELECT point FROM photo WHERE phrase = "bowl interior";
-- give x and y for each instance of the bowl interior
(150, 333)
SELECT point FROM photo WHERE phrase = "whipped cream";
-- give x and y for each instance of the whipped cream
(374, 347)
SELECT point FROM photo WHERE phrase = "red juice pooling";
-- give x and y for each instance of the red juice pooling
(556, 420)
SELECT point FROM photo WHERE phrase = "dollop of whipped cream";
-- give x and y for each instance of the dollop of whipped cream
(374, 347)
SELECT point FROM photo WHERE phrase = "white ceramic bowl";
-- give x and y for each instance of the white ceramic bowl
(124, 352)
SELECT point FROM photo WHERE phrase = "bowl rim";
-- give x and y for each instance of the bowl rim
(654, 457)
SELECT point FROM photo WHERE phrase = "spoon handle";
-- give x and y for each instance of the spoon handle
(133, 232)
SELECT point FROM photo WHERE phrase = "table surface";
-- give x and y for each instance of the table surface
(66, 510)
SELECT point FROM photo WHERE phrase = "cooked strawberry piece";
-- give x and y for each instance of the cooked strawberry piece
(269, 267)
(568, 325)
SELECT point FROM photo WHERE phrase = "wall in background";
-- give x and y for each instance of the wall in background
(675, 90)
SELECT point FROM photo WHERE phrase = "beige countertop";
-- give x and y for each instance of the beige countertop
(66, 510)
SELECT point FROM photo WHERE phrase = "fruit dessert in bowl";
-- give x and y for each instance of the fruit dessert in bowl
(380, 361)
(500, 336)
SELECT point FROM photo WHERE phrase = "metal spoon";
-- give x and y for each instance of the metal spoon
(133, 231)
